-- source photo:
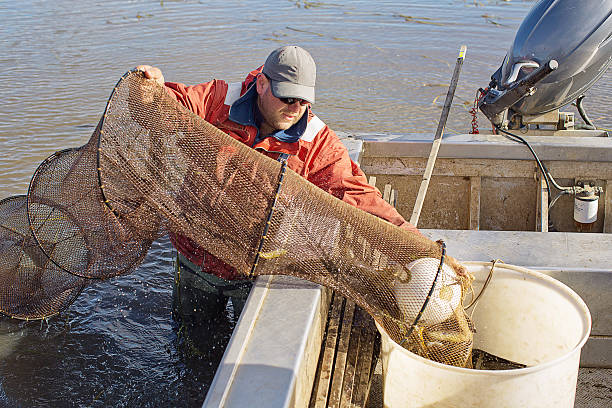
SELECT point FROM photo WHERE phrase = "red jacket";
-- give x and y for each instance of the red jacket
(319, 156)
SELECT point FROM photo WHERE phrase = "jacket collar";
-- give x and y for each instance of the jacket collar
(245, 112)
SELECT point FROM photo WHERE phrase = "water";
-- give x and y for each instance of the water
(379, 71)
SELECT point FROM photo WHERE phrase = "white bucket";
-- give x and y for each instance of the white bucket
(522, 316)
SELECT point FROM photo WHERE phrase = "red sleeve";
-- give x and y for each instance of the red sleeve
(334, 171)
(197, 98)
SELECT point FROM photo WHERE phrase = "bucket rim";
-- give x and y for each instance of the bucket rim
(512, 372)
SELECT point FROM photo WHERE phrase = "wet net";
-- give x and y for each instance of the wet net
(152, 167)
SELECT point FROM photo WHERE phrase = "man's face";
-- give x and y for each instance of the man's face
(277, 115)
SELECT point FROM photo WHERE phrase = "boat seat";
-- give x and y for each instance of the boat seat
(350, 349)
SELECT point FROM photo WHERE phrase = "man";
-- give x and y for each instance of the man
(271, 112)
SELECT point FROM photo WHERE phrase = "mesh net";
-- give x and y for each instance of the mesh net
(31, 286)
(153, 167)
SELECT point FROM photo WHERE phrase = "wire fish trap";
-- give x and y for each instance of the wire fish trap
(152, 167)
(31, 286)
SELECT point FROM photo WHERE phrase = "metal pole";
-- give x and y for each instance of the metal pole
(418, 205)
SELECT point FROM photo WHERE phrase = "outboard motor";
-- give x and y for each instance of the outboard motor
(561, 48)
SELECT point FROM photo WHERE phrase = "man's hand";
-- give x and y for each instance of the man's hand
(152, 73)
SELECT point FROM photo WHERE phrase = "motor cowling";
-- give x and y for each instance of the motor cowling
(576, 34)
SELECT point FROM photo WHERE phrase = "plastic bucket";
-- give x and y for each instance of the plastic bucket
(522, 316)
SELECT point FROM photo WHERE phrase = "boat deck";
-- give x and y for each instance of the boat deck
(273, 355)
(277, 347)
(348, 357)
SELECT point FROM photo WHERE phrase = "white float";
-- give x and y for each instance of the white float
(522, 316)
(411, 295)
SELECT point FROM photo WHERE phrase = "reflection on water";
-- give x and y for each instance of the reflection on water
(383, 68)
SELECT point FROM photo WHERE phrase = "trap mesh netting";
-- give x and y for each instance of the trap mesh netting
(153, 167)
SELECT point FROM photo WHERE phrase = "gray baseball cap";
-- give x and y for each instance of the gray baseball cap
(292, 73)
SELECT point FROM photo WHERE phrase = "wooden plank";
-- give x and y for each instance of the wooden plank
(340, 365)
(325, 314)
(327, 360)
(414, 166)
(475, 184)
(367, 361)
(607, 228)
(348, 359)
(368, 373)
(353, 356)
(387, 193)
(372, 181)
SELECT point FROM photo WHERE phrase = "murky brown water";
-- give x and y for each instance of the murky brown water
(383, 67)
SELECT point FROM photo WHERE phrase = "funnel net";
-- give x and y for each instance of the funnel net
(152, 167)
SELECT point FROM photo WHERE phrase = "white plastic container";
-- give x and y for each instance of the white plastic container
(523, 316)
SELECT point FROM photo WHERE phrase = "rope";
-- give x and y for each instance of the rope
(474, 111)
(473, 302)
(283, 170)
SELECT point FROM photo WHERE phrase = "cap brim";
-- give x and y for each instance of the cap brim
(291, 90)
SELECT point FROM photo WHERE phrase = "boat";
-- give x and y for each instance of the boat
(488, 199)
(272, 356)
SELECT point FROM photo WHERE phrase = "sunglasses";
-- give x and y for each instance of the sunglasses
(291, 101)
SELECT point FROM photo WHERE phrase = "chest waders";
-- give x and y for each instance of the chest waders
(200, 298)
